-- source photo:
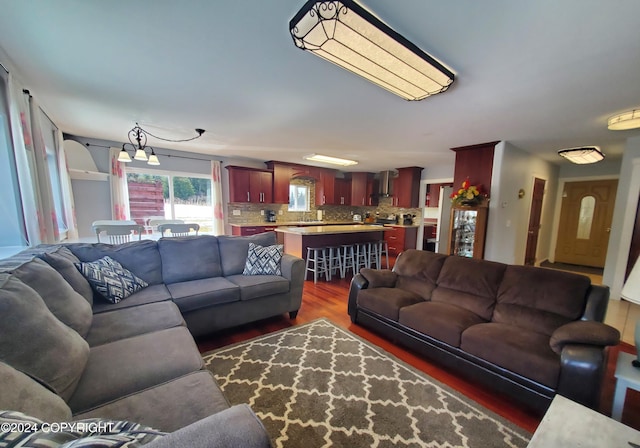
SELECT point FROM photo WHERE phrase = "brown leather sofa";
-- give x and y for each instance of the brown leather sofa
(523, 331)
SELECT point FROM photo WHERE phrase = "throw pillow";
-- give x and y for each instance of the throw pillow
(114, 282)
(19, 429)
(263, 260)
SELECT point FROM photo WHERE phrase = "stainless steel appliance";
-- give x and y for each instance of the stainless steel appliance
(270, 216)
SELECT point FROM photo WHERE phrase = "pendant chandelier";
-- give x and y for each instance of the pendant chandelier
(138, 141)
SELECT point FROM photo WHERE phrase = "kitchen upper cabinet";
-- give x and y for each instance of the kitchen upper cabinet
(282, 174)
(406, 187)
(363, 189)
(342, 191)
(250, 185)
(325, 187)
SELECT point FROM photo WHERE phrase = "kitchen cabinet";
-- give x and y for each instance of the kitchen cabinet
(325, 186)
(282, 175)
(250, 230)
(406, 187)
(342, 191)
(250, 185)
(433, 194)
(467, 231)
(362, 189)
(400, 238)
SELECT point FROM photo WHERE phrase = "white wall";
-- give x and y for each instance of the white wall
(515, 169)
(623, 218)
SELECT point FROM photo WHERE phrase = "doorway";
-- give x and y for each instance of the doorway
(534, 221)
(585, 222)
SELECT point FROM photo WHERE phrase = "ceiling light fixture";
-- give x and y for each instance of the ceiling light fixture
(345, 33)
(140, 145)
(582, 155)
(624, 121)
(329, 159)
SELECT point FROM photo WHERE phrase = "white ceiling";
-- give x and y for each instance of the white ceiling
(541, 74)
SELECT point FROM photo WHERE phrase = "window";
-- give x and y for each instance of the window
(168, 195)
(298, 198)
(587, 208)
(48, 135)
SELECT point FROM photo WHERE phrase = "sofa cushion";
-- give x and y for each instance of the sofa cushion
(387, 301)
(131, 365)
(24, 394)
(133, 321)
(540, 299)
(418, 271)
(442, 321)
(263, 260)
(64, 261)
(470, 283)
(140, 257)
(110, 279)
(254, 286)
(526, 353)
(35, 342)
(234, 249)
(168, 406)
(189, 258)
(150, 294)
(203, 293)
(65, 303)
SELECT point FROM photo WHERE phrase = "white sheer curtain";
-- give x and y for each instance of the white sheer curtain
(33, 173)
(68, 204)
(119, 189)
(216, 198)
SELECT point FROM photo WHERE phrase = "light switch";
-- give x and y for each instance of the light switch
(236, 212)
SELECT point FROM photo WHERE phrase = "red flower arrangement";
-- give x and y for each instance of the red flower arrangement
(468, 194)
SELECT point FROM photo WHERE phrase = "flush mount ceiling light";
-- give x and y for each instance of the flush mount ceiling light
(329, 159)
(140, 146)
(345, 33)
(582, 155)
(624, 121)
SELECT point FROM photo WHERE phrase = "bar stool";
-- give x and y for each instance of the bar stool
(373, 253)
(348, 259)
(383, 249)
(335, 261)
(362, 257)
(317, 256)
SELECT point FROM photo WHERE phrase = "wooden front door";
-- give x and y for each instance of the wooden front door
(585, 222)
(534, 221)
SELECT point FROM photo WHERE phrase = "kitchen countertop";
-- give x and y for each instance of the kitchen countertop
(328, 230)
(315, 223)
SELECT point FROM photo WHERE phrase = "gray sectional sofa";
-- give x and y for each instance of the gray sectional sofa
(68, 355)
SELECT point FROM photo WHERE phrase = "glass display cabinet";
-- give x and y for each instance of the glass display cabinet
(467, 231)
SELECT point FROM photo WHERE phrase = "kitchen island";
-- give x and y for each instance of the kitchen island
(296, 240)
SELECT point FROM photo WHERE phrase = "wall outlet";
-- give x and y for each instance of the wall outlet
(280, 212)
(236, 213)
(262, 212)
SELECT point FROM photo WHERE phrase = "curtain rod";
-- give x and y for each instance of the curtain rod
(160, 154)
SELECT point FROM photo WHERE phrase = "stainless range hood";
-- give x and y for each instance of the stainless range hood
(386, 183)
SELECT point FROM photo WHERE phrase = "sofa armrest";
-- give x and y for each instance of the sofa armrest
(293, 269)
(582, 369)
(231, 428)
(584, 333)
(358, 282)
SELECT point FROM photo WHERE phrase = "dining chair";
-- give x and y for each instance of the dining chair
(118, 231)
(178, 229)
(154, 221)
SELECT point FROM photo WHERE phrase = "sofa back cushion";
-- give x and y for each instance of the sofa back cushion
(63, 261)
(140, 257)
(417, 271)
(35, 342)
(540, 299)
(189, 258)
(24, 394)
(65, 303)
(469, 283)
(234, 250)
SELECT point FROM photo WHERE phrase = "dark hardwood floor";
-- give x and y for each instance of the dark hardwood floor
(329, 299)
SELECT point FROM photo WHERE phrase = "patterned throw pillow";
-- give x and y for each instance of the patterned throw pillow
(263, 260)
(111, 279)
(22, 430)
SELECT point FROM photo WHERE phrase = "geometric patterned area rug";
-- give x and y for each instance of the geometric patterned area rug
(318, 385)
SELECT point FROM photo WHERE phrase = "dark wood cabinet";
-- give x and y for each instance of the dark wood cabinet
(250, 185)
(362, 189)
(325, 187)
(433, 194)
(400, 239)
(282, 175)
(250, 230)
(467, 231)
(342, 191)
(406, 187)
